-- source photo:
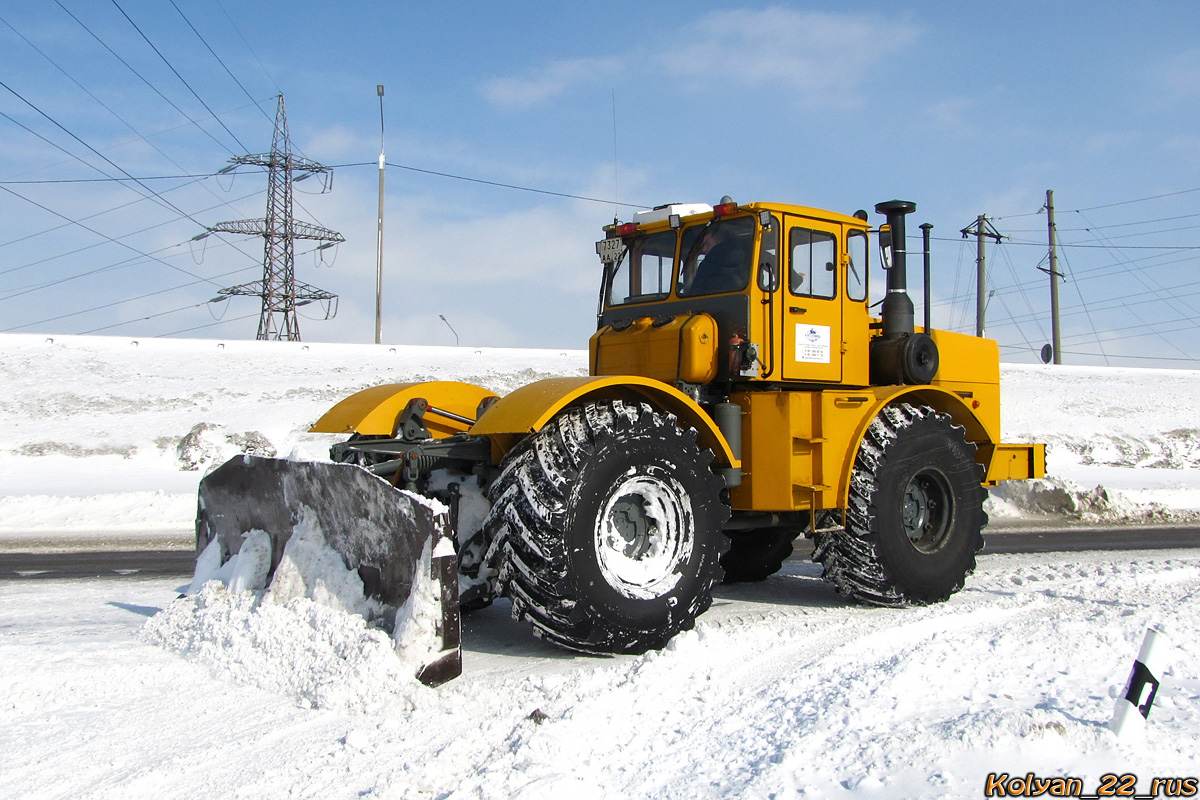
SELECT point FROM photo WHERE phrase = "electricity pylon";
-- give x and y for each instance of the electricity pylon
(279, 289)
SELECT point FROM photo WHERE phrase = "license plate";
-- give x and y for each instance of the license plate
(610, 250)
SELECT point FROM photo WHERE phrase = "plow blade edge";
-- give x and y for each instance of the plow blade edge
(394, 540)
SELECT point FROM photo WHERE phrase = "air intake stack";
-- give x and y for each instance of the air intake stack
(900, 355)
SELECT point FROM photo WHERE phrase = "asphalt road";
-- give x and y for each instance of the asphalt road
(179, 563)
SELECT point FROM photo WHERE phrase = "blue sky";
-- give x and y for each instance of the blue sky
(963, 108)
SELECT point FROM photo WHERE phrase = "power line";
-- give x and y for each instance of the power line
(124, 236)
(505, 185)
(122, 302)
(177, 75)
(219, 61)
(1106, 205)
(1114, 225)
(143, 79)
(201, 327)
(150, 256)
(114, 303)
(1077, 246)
(1140, 199)
(121, 119)
(270, 77)
(1082, 302)
(1015, 348)
(167, 203)
(1145, 280)
(142, 319)
(1092, 273)
(89, 93)
(109, 180)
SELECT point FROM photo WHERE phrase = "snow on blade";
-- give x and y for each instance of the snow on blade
(322, 657)
(312, 632)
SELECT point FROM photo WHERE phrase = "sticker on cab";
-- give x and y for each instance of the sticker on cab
(812, 343)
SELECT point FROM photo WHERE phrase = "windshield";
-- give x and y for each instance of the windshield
(716, 257)
(644, 271)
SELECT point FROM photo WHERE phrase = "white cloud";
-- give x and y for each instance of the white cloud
(820, 56)
(1179, 76)
(338, 143)
(1183, 146)
(952, 115)
(551, 81)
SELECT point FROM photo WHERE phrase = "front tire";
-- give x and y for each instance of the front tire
(607, 528)
(915, 513)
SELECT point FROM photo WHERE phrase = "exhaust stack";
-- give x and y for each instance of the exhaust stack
(898, 315)
(900, 355)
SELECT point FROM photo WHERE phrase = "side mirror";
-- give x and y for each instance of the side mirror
(885, 246)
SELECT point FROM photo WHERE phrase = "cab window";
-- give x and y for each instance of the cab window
(716, 257)
(856, 276)
(813, 258)
(768, 257)
(644, 272)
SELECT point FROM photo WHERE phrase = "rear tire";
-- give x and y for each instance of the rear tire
(915, 513)
(756, 555)
(607, 528)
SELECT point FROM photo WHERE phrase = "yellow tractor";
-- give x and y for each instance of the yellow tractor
(741, 393)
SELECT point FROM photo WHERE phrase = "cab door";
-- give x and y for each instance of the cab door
(812, 310)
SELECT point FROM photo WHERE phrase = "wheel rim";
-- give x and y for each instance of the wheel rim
(644, 533)
(927, 510)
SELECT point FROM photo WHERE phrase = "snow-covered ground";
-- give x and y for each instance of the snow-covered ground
(105, 437)
(782, 689)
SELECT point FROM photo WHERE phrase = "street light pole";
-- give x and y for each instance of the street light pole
(379, 236)
(442, 317)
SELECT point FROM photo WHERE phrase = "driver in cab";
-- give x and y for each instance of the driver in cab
(720, 262)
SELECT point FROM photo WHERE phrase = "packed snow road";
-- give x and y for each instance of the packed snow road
(40, 565)
(782, 690)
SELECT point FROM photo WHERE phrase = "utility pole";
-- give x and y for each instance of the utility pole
(379, 235)
(280, 292)
(1054, 276)
(982, 231)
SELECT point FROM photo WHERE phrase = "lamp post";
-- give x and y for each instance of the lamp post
(379, 236)
(451, 327)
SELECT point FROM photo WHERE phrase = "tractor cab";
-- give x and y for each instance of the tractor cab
(760, 293)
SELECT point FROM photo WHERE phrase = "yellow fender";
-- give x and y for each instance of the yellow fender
(375, 411)
(529, 408)
(936, 398)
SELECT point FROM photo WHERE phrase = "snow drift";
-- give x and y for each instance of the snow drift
(141, 421)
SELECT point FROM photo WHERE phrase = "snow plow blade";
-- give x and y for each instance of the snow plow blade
(399, 543)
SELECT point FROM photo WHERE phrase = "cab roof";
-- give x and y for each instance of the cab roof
(691, 212)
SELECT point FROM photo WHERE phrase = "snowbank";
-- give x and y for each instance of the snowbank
(1064, 499)
(108, 434)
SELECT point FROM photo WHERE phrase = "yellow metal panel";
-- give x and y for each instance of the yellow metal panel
(794, 446)
(529, 408)
(374, 411)
(685, 348)
(798, 448)
(1014, 462)
(966, 359)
